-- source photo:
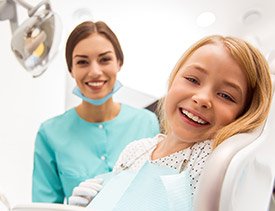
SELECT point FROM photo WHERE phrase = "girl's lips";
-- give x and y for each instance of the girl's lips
(193, 117)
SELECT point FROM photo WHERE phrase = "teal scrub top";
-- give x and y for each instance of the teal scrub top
(69, 150)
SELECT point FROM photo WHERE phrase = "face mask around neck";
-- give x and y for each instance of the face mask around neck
(97, 102)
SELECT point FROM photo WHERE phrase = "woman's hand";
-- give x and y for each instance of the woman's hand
(84, 193)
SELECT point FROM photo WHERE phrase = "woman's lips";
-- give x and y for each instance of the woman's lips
(95, 85)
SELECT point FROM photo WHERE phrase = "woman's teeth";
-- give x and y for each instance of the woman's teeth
(95, 83)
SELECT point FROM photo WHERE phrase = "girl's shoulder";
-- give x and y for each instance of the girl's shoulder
(136, 149)
(143, 144)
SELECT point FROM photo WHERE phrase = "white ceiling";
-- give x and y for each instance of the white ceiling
(155, 33)
(229, 14)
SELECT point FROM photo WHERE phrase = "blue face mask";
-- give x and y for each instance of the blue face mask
(97, 102)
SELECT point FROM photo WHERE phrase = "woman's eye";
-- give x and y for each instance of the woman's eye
(226, 97)
(192, 80)
(105, 59)
(82, 62)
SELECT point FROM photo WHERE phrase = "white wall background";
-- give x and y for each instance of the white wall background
(25, 103)
(153, 35)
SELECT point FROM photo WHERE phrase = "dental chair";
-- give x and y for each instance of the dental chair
(46, 207)
(37, 206)
(239, 175)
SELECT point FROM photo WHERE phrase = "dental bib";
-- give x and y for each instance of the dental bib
(152, 188)
(97, 102)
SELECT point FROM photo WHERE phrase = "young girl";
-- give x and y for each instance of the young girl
(220, 87)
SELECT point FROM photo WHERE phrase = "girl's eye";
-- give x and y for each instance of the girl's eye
(192, 80)
(226, 97)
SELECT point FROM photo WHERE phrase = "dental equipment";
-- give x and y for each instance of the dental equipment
(35, 41)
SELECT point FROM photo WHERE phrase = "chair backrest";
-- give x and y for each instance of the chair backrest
(239, 174)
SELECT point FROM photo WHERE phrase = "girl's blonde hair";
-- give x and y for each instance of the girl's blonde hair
(257, 72)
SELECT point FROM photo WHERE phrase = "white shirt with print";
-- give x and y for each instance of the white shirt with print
(138, 152)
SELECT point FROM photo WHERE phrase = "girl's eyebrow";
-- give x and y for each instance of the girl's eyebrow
(197, 67)
(234, 86)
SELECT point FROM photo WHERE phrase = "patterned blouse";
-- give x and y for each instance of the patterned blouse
(191, 159)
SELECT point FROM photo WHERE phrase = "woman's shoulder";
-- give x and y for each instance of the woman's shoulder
(131, 109)
(61, 118)
(137, 112)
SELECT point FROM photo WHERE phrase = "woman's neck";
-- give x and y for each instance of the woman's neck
(91, 113)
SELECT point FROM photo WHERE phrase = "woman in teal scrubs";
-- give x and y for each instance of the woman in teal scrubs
(86, 140)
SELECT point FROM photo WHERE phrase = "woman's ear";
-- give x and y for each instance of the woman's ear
(72, 74)
(119, 66)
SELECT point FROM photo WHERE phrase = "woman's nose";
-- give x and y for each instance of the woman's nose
(202, 99)
(94, 70)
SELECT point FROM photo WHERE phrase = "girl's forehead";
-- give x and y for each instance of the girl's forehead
(214, 59)
(211, 54)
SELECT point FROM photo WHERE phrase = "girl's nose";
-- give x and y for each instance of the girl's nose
(202, 99)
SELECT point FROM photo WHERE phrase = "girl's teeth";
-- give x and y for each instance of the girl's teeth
(193, 117)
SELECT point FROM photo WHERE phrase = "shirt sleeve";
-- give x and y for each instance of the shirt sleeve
(124, 157)
(135, 154)
(46, 185)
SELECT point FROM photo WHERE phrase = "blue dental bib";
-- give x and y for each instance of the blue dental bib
(152, 188)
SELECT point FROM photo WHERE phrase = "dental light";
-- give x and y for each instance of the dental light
(35, 41)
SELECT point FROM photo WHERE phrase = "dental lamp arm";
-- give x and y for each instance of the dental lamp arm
(8, 12)
(35, 41)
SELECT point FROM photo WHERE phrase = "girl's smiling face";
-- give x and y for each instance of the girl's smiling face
(208, 92)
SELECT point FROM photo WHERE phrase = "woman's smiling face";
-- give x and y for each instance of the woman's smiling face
(208, 92)
(95, 66)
